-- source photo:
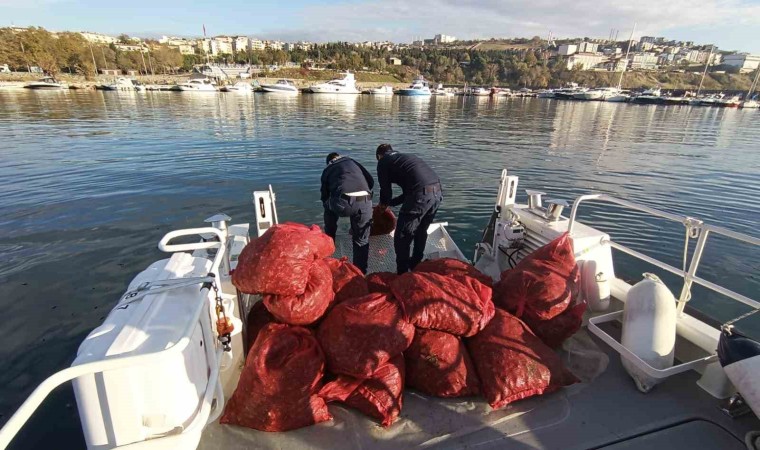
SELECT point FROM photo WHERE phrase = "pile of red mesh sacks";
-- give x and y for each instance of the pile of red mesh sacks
(324, 333)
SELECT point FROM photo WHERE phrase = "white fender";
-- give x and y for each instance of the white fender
(649, 328)
(595, 286)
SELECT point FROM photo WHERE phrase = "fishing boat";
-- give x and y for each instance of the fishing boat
(281, 87)
(196, 85)
(157, 372)
(345, 85)
(381, 90)
(46, 83)
(419, 87)
(241, 87)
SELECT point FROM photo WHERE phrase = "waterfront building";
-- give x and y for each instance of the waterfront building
(744, 61)
(256, 44)
(587, 61)
(98, 38)
(240, 44)
(588, 47)
(643, 61)
(567, 49)
(274, 45)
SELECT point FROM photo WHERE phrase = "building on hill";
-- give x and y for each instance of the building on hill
(98, 38)
(744, 61)
(444, 39)
(587, 61)
(588, 47)
(567, 49)
(394, 61)
(643, 61)
(256, 45)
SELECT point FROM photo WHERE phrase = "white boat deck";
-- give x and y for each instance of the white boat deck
(604, 411)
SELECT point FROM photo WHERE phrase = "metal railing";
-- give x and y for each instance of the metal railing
(30, 405)
(695, 228)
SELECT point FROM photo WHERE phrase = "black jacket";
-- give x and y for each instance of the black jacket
(344, 175)
(408, 171)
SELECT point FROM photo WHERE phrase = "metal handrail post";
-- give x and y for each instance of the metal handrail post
(688, 277)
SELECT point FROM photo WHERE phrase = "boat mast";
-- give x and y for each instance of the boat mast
(753, 86)
(707, 64)
(627, 50)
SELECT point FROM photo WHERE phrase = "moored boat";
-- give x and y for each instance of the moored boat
(281, 87)
(418, 88)
(381, 90)
(196, 85)
(240, 87)
(345, 85)
(46, 83)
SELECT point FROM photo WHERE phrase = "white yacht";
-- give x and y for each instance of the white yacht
(749, 104)
(345, 85)
(381, 90)
(121, 84)
(281, 87)
(442, 91)
(419, 87)
(546, 93)
(597, 94)
(240, 87)
(156, 374)
(46, 83)
(621, 97)
(197, 85)
(478, 92)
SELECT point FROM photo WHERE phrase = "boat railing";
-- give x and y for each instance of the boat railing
(695, 229)
(213, 387)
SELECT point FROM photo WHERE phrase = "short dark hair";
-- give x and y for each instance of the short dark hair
(330, 157)
(382, 149)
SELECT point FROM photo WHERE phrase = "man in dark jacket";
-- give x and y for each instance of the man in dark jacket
(420, 198)
(347, 192)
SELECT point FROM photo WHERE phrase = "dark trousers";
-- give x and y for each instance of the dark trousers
(416, 215)
(360, 214)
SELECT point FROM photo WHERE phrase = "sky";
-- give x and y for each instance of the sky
(729, 24)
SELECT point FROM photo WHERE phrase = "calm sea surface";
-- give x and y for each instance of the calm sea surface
(90, 181)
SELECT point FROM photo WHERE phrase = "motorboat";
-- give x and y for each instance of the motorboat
(478, 92)
(442, 91)
(46, 83)
(675, 100)
(622, 97)
(545, 93)
(281, 87)
(197, 85)
(749, 104)
(500, 92)
(600, 94)
(649, 97)
(730, 102)
(570, 92)
(419, 87)
(345, 85)
(381, 90)
(121, 84)
(708, 100)
(240, 87)
(157, 373)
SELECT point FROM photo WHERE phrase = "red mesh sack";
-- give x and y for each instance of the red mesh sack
(347, 280)
(379, 396)
(278, 386)
(279, 261)
(451, 266)
(512, 363)
(361, 334)
(554, 331)
(456, 304)
(258, 317)
(380, 282)
(383, 221)
(308, 307)
(438, 364)
(542, 284)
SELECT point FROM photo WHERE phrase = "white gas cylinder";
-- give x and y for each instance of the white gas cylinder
(595, 286)
(649, 328)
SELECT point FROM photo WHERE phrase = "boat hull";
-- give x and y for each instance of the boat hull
(332, 90)
(413, 93)
(278, 90)
(647, 100)
(43, 86)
